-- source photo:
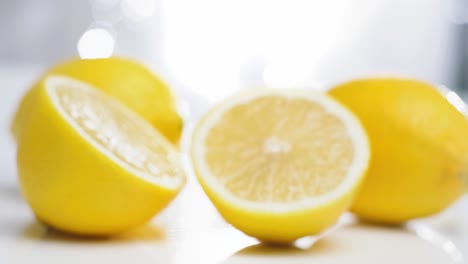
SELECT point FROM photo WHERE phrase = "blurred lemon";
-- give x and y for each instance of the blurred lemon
(128, 81)
(280, 164)
(419, 148)
(89, 165)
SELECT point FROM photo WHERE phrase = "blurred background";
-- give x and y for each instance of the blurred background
(207, 49)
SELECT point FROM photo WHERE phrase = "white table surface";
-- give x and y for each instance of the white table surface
(191, 231)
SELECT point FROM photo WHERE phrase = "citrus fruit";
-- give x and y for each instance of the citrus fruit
(280, 164)
(419, 143)
(89, 165)
(128, 81)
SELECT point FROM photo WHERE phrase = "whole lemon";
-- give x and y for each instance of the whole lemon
(126, 80)
(419, 143)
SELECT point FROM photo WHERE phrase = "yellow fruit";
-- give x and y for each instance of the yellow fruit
(280, 164)
(419, 146)
(89, 165)
(128, 81)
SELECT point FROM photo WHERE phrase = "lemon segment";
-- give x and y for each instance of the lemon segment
(419, 144)
(280, 164)
(89, 165)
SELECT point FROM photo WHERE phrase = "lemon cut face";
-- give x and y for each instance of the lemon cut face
(279, 151)
(116, 131)
(284, 150)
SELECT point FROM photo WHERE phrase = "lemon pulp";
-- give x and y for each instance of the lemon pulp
(117, 132)
(296, 151)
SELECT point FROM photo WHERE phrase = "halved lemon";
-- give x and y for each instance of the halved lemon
(89, 165)
(280, 164)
